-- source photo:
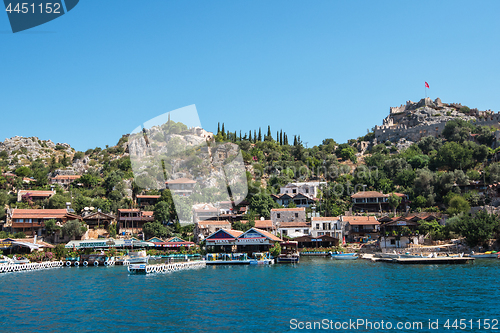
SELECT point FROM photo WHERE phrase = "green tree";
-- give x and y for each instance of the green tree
(51, 227)
(458, 205)
(476, 230)
(262, 204)
(394, 201)
(162, 212)
(156, 229)
(23, 171)
(73, 228)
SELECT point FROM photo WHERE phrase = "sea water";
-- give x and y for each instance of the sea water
(275, 298)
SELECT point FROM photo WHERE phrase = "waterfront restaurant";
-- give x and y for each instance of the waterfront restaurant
(173, 243)
(222, 241)
(315, 242)
(106, 243)
(256, 240)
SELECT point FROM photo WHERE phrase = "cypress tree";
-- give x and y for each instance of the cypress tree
(278, 136)
(218, 128)
(294, 139)
(240, 135)
(259, 138)
(268, 130)
(286, 140)
(281, 137)
(250, 136)
(223, 131)
(254, 136)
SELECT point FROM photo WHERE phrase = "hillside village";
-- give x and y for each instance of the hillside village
(412, 181)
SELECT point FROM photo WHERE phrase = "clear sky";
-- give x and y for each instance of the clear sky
(321, 69)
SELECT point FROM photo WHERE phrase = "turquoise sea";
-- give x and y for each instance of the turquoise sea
(277, 298)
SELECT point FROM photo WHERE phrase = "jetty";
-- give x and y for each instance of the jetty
(420, 260)
(33, 266)
(164, 268)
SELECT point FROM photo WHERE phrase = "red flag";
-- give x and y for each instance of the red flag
(426, 85)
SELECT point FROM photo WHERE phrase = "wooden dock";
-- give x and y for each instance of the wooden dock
(423, 260)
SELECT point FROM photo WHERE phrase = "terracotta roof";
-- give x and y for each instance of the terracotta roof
(333, 218)
(268, 235)
(38, 213)
(234, 233)
(360, 220)
(144, 196)
(66, 177)
(288, 209)
(294, 225)
(261, 224)
(129, 210)
(180, 181)
(214, 222)
(369, 194)
(148, 213)
(38, 193)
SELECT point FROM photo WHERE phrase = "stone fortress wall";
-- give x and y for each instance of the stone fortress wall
(413, 121)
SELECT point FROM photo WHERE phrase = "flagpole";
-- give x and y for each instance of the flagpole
(425, 89)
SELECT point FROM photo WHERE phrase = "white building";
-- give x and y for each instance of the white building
(330, 226)
(308, 188)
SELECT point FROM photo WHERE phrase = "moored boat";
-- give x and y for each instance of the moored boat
(289, 252)
(344, 256)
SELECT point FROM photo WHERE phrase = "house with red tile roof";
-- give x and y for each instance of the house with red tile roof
(131, 221)
(34, 194)
(373, 201)
(203, 229)
(64, 180)
(144, 200)
(357, 228)
(32, 221)
(328, 226)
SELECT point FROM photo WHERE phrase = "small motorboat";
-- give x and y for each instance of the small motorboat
(344, 256)
(261, 259)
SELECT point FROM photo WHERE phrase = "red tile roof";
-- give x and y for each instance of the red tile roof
(360, 220)
(39, 213)
(261, 224)
(234, 233)
(144, 196)
(268, 234)
(129, 210)
(369, 194)
(148, 213)
(38, 193)
(294, 225)
(70, 177)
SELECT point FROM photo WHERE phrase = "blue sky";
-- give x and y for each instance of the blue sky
(321, 69)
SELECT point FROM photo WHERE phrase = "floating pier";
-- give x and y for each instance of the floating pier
(421, 260)
(32, 266)
(164, 268)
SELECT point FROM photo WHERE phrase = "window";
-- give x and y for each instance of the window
(393, 241)
(317, 226)
(307, 190)
(278, 215)
(296, 214)
(294, 191)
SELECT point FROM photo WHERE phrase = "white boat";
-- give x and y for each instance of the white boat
(139, 257)
(344, 256)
